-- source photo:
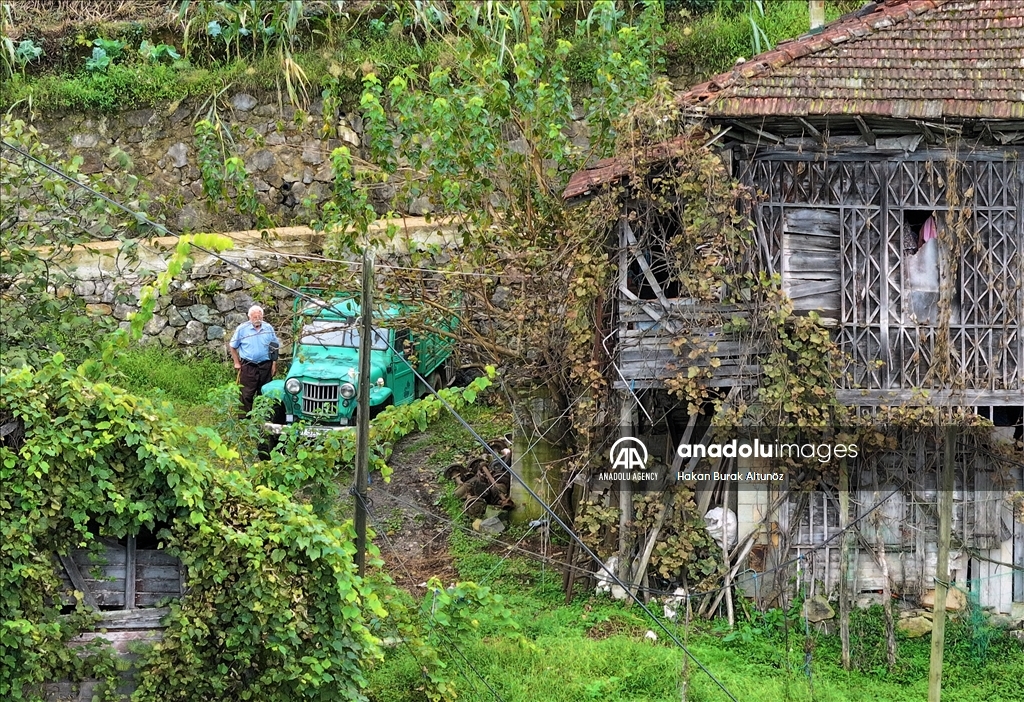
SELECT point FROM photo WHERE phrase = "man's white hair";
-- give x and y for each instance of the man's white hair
(255, 308)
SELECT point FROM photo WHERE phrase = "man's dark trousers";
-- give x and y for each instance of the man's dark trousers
(253, 376)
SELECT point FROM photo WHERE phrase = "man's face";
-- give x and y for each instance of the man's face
(256, 318)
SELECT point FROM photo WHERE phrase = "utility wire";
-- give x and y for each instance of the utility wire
(142, 218)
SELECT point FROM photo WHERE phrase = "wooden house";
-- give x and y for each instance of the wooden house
(885, 151)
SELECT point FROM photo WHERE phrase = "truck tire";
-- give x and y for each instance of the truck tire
(374, 411)
(278, 415)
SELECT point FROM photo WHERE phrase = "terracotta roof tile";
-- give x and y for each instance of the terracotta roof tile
(934, 58)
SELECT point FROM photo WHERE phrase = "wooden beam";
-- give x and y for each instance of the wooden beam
(78, 580)
(129, 574)
(865, 130)
(918, 397)
(759, 132)
(810, 129)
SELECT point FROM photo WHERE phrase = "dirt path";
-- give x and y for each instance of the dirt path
(411, 527)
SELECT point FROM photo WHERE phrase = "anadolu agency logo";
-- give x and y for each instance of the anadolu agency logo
(628, 456)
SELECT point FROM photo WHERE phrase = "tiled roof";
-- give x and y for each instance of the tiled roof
(901, 58)
(611, 170)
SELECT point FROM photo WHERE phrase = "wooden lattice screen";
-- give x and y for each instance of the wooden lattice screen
(865, 201)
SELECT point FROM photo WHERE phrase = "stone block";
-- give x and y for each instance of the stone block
(85, 288)
(166, 337)
(121, 310)
(915, 627)
(92, 163)
(502, 297)
(233, 319)
(99, 310)
(312, 152)
(155, 325)
(200, 313)
(324, 174)
(817, 609)
(243, 302)
(232, 284)
(262, 160)
(348, 135)
(956, 600)
(215, 333)
(177, 155)
(491, 525)
(223, 302)
(85, 141)
(243, 102)
(177, 317)
(188, 218)
(192, 334)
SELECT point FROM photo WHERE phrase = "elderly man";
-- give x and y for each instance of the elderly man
(255, 360)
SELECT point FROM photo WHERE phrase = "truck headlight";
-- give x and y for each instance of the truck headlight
(292, 386)
(348, 390)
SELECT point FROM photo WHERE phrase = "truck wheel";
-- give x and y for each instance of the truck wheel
(278, 415)
(374, 411)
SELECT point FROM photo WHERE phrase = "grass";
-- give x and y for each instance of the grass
(185, 382)
(136, 84)
(449, 441)
(595, 649)
(712, 43)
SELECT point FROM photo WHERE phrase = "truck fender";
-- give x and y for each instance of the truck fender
(274, 389)
(378, 395)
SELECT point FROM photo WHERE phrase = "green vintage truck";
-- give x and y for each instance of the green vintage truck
(322, 381)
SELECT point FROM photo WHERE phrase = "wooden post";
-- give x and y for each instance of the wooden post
(942, 568)
(844, 562)
(363, 410)
(626, 428)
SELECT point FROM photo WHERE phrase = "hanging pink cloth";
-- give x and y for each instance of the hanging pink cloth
(928, 231)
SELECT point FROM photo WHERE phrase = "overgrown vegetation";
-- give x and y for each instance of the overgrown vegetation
(597, 650)
(302, 47)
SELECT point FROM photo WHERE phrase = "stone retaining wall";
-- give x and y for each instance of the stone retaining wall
(285, 155)
(208, 301)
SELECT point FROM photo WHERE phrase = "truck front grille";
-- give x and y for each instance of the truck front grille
(320, 400)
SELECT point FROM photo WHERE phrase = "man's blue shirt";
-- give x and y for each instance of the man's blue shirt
(253, 344)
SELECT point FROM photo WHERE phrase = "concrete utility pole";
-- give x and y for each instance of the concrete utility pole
(363, 409)
(942, 567)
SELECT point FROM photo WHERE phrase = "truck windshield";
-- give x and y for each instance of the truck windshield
(325, 333)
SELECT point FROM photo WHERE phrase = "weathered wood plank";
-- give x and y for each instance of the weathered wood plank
(816, 222)
(955, 398)
(157, 585)
(120, 641)
(150, 599)
(150, 556)
(800, 263)
(109, 556)
(817, 288)
(659, 384)
(71, 568)
(157, 571)
(133, 618)
(130, 567)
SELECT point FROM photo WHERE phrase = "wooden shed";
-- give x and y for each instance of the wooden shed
(886, 154)
(129, 582)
